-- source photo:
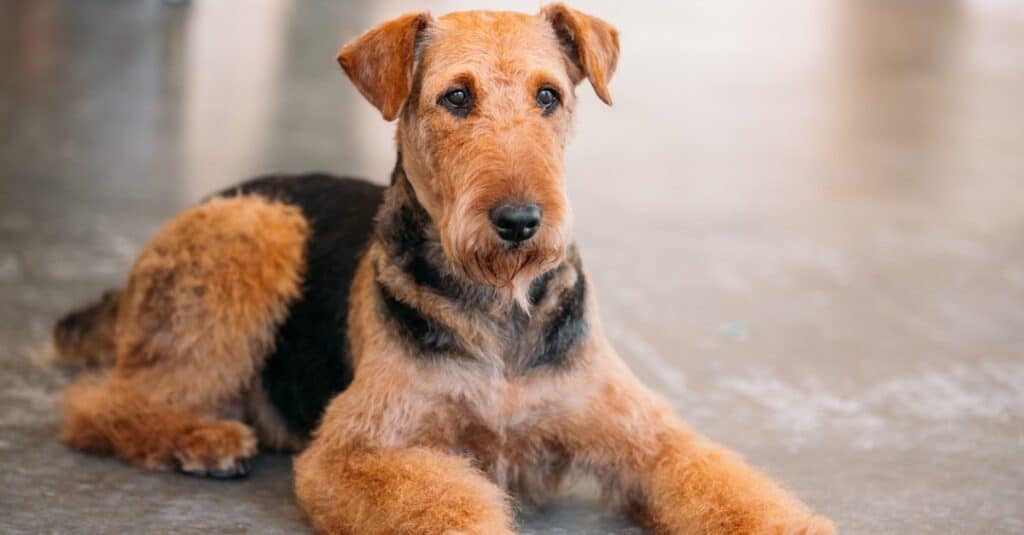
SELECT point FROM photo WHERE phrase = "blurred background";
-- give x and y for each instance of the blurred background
(822, 267)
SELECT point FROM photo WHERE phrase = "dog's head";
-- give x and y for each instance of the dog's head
(485, 103)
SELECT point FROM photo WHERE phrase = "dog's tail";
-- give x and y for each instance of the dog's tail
(85, 336)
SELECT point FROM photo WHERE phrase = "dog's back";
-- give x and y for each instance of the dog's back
(310, 361)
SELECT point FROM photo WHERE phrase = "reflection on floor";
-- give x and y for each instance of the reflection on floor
(824, 266)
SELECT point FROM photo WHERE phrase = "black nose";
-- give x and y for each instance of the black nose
(516, 223)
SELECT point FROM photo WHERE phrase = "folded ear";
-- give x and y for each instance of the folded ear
(380, 62)
(591, 44)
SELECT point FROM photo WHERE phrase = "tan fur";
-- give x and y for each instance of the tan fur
(194, 321)
(380, 62)
(597, 42)
(205, 295)
(387, 457)
(409, 490)
(111, 416)
(665, 475)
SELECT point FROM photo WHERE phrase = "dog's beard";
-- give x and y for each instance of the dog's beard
(476, 253)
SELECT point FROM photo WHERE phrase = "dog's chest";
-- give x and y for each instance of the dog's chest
(508, 433)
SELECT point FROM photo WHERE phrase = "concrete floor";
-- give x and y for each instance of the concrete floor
(823, 265)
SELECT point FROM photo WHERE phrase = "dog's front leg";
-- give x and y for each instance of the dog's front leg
(670, 478)
(365, 472)
(412, 490)
(690, 485)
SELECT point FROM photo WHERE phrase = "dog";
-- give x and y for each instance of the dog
(432, 348)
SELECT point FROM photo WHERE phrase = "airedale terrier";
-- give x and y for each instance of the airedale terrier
(440, 334)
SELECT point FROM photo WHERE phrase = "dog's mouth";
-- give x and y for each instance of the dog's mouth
(508, 267)
(515, 246)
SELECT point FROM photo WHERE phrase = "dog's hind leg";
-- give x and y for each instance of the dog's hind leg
(109, 416)
(194, 324)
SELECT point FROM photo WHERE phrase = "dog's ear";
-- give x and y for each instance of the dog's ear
(380, 62)
(590, 43)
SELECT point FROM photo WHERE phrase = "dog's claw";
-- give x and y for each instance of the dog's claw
(238, 470)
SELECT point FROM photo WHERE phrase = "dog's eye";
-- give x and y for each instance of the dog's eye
(547, 99)
(458, 101)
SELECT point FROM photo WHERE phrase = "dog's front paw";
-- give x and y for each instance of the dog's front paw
(216, 449)
(809, 525)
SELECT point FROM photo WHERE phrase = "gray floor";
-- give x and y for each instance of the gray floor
(821, 261)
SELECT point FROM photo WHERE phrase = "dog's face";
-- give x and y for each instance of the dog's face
(485, 103)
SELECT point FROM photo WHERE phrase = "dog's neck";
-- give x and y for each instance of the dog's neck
(411, 241)
(446, 313)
